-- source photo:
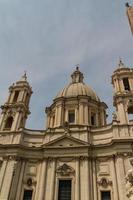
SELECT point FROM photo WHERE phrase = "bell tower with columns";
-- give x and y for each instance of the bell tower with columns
(122, 80)
(16, 109)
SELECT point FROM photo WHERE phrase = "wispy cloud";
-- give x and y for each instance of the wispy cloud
(47, 38)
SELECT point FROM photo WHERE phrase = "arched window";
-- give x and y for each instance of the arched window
(93, 119)
(9, 122)
(71, 116)
(126, 84)
(15, 98)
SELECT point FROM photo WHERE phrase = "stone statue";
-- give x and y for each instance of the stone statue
(114, 116)
(129, 182)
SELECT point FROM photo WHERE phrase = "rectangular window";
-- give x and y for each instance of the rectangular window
(105, 195)
(71, 116)
(93, 119)
(64, 191)
(27, 195)
(126, 84)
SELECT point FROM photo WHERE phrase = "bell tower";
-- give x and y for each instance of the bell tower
(16, 109)
(122, 80)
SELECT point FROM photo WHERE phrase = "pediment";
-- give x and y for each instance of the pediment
(66, 141)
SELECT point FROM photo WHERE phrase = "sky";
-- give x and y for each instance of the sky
(47, 38)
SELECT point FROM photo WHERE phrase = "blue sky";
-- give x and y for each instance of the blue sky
(47, 38)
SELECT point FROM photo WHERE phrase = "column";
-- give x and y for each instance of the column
(48, 121)
(12, 96)
(84, 183)
(86, 114)
(117, 85)
(76, 116)
(42, 181)
(38, 180)
(91, 178)
(2, 120)
(66, 115)
(122, 113)
(7, 180)
(2, 172)
(97, 122)
(19, 121)
(52, 185)
(121, 85)
(19, 188)
(77, 184)
(131, 83)
(56, 116)
(15, 122)
(87, 179)
(51, 122)
(114, 179)
(120, 177)
(59, 116)
(81, 114)
(95, 191)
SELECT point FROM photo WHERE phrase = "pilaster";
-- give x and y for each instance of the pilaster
(2, 171)
(5, 189)
(42, 182)
(120, 177)
(52, 185)
(77, 181)
(81, 114)
(114, 179)
(94, 174)
(19, 188)
(84, 181)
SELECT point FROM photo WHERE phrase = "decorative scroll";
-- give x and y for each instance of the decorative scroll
(65, 170)
(104, 182)
(129, 182)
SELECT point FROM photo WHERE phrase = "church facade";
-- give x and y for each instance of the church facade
(78, 156)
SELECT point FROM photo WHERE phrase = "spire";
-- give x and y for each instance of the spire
(77, 76)
(24, 77)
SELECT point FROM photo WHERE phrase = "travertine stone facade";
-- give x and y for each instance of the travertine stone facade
(78, 150)
(130, 15)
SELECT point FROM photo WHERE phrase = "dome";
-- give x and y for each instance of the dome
(77, 88)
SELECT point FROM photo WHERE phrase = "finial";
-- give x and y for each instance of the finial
(25, 75)
(77, 67)
(121, 64)
(127, 5)
(77, 76)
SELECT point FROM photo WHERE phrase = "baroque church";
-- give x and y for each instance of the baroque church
(79, 156)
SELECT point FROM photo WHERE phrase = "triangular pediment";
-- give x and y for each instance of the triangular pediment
(66, 141)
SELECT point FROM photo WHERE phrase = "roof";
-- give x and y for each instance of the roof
(77, 88)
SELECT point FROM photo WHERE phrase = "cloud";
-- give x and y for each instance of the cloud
(48, 38)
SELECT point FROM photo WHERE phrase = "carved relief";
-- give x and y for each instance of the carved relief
(104, 182)
(66, 128)
(65, 170)
(29, 181)
(129, 182)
